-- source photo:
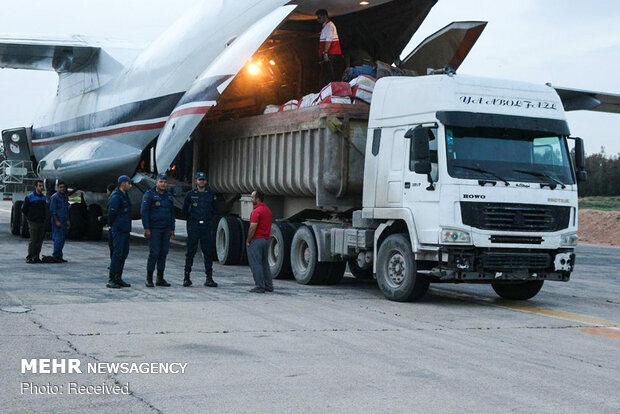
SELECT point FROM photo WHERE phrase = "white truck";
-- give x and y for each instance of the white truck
(443, 178)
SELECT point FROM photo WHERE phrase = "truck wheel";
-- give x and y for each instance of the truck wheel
(279, 256)
(305, 258)
(244, 228)
(335, 272)
(397, 271)
(228, 240)
(518, 291)
(25, 228)
(94, 229)
(214, 223)
(358, 272)
(78, 218)
(16, 218)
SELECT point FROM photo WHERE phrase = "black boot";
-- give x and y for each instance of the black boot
(112, 283)
(186, 280)
(149, 279)
(121, 282)
(209, 282)
(160, 280)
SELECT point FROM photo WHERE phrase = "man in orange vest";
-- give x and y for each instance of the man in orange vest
(329, 49)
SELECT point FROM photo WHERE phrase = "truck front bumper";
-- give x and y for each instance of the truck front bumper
(490, 265)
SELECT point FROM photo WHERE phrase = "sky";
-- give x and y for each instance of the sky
(570, 43)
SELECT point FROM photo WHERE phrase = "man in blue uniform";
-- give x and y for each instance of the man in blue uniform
(59, 212)
(119, 220)
(199, 208)
(157, 213)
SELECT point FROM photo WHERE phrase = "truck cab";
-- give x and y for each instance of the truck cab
(470, 180)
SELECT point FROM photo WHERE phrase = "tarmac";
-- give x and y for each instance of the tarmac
(327, 349)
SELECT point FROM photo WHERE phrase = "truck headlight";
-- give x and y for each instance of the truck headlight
(569, 239)
(455, 236)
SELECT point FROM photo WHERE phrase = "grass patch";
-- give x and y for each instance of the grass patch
(600, 203)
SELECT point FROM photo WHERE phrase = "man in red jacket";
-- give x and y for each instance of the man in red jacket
(330, 54)
(259, 236)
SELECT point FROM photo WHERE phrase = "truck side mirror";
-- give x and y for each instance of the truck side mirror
(421, 151)
(580, 160)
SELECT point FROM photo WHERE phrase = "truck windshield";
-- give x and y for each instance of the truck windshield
(511, 154)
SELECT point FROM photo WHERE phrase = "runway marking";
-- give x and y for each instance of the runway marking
(601, 331)
(596, 322)
(562, 315)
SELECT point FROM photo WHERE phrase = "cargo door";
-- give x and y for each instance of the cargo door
(208, 87)
(449, 46)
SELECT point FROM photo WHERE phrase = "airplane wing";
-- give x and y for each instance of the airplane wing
(61, 54)
(577, 99)
(207, 88)
(448, 46)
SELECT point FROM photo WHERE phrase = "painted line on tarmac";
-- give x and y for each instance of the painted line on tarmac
(596, 322)
(612, 332)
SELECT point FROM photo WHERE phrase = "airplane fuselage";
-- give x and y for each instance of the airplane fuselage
(113, 105)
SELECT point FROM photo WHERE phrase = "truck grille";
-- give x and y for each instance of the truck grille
(515, 261)
(514, 217)
(516, 239)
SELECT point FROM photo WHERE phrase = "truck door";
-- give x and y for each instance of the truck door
(390, 166)
(419, 194)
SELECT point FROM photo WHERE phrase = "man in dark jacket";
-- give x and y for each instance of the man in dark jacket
(59, 212)
(157, 213)
(35, 211)
(104, 220)
(199, 208)
(119, 220)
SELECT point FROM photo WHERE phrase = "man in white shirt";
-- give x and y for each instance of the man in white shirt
(329, 49)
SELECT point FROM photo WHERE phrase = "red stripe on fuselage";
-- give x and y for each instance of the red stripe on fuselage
(197, 110)
(143, 127)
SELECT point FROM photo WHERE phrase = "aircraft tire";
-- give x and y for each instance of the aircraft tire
(78, 218)
(16, 218)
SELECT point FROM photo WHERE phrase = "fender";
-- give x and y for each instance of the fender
(393, 214)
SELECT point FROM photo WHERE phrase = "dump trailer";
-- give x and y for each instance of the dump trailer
(441, 179)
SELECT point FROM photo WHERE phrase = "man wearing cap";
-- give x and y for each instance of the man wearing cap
(199, 208)
(59, 212)
(119, 220)
(157, 213)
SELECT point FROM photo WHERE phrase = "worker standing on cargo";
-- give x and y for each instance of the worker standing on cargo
(257, 242)
(199, 206)
(157, 214)
(35, 211)
(59, 212)
(119, 220)
(330, 54)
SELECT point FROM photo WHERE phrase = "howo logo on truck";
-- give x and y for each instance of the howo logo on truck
(474, 196)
